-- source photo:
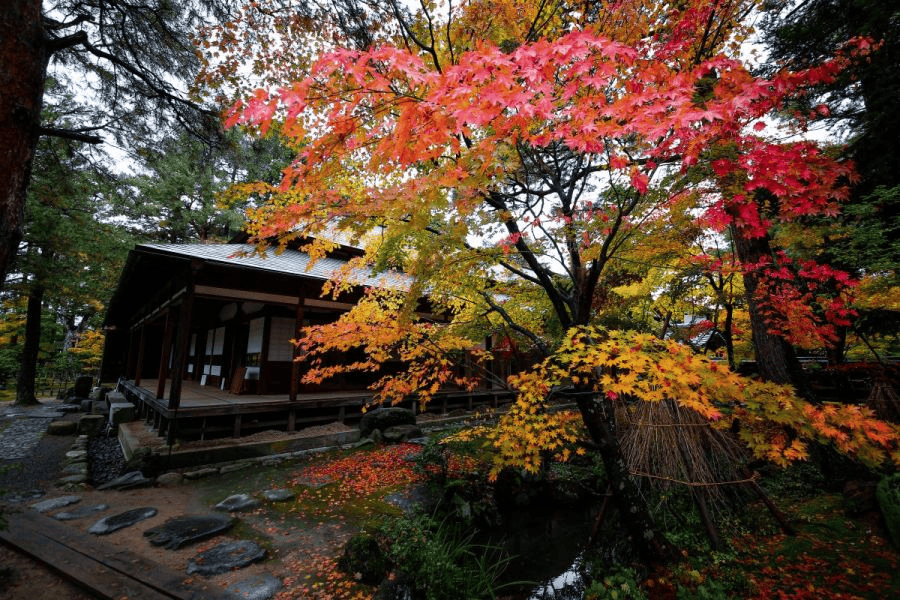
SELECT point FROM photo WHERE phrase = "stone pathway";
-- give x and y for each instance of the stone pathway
(23, 434)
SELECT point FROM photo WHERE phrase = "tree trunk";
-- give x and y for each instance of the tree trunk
(727, 333)
(775, 358)
(25, 383)
(597, 414)
(23, 68)
(835, 352)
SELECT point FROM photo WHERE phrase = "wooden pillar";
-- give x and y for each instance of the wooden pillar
(164, 355)
(295, 364)
(292, 420)
(261, 386)
(178, 364)
(182, 345)
(237, 426)
(140, 356)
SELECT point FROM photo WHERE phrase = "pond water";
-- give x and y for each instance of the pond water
(545, 545)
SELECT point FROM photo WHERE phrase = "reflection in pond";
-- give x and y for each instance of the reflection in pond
(544, 544)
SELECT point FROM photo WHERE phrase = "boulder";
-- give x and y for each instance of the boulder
(121, 412)
(170, 479)
(91, 425)
(83, 384)
(859, 497)
(888, 495)
(226, 557)
(115, 398)
(385, 418)
(364, 559)
(238, 503)
(278, 495)
(400, 433)
(62, 428)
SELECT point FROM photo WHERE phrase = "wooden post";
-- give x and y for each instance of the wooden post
(179, 363)
(180, 360)
(261, 386)
(295, 364)
(237, 426)
(164, 355)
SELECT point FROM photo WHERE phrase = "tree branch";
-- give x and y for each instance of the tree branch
(56, 44)
(70, 134)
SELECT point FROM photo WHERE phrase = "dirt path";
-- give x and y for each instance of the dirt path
(303, 537)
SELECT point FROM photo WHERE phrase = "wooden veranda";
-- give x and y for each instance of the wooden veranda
(205, 411)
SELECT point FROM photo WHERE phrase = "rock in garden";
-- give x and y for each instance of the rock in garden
(385, 418)
(181, 531)
(256, 587)
(201, 473)
(400, 433)
(122, 520)
(83, 386)
(73, 480)
(364, 559)
(277, 495)
(128, 481)
(238, 502)
(61, 428)
(19, 497)
(54, 503)
(80, 513)
(91, 425)
(121, 412)
(225, 557)
(169, 479)
(76, 468)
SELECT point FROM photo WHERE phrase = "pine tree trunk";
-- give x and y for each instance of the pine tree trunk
(23, 67)
(597, 414)
(25, 383)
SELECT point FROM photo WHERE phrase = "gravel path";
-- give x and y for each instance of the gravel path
(29, 459)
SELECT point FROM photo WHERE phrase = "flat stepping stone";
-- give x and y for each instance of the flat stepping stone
(278, 495)
(257, 587)
(226, 557)
(80, 513)
(73, 479)
(122, 520)
(20, 497)
(54, 503)
(128, 481)
(238, 502)
(78, 468)
(181, 531)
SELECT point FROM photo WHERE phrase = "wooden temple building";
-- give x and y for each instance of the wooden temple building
(199, 338)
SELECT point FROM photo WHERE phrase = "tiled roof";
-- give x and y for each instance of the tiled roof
(289, 262)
